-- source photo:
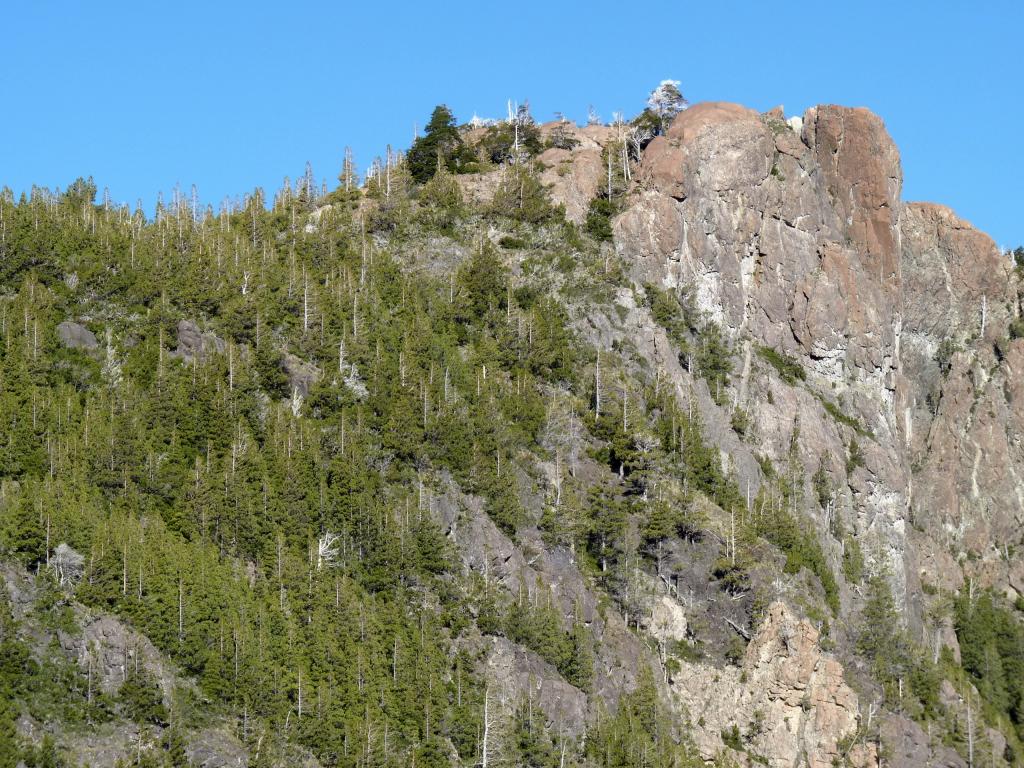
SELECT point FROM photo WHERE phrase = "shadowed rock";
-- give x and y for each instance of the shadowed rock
(75, 336)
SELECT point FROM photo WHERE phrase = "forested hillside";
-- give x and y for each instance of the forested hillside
(282, 481)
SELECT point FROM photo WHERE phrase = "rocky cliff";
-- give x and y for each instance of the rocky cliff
(792, 236)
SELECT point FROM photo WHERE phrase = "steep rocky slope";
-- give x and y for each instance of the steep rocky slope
(793, 236)
(874, 407)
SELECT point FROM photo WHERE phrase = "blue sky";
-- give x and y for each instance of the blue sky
(231, 96)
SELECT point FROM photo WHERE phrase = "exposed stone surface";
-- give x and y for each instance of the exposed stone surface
(674, 163)
(521, 570)
(479, 188)
(573, 178)
(666, 619)
(109, 649)
(861, 167)
(194, 344)
(964, 424)
(791, 234)
(519, 674)
(302, 375)
(76, 336)
(907, 746)
(788, 698)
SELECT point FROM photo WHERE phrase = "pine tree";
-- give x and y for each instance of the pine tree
(441, 145)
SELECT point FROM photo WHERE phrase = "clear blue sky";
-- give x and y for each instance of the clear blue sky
(231, 96)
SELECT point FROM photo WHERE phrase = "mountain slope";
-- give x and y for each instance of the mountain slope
(605, 450)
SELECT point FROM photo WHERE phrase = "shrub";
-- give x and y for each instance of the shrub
(740, 421)
(732, 739)
(521, 196)
(599, 219)
(512, 243)
(789, 369)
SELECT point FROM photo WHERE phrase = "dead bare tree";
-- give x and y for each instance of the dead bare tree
(327, 550)
(67, 565)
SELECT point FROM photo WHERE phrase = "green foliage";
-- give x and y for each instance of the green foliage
(790, 532)
(732, 576)
(834, 411)
(484, 279)
(789, 369)
(944, 354)
(281, 545)
(45, 755)
(499, 141)
(713, 357)
(853, 560)
(512, 243)
(561, 138)
(9, 747)
(440, 146)
(991, 642)
(732, 739)
(534, 621)
(141, 698)
(599, 219)
(521, 197)
(855, 456)
(740, 421)
(908, 678)
(441, 201)
(197, 489)
(640, 733)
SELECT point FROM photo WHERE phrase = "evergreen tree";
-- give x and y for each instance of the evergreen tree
(439, 146)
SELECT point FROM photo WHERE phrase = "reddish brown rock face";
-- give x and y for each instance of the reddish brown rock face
(862, 174)
(796, 694)
(793, 236)
(674, 163)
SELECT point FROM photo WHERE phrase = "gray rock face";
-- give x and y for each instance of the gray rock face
(301, 375)
(108, 649)
(523, 569)
(521, 675)
(194, 344)
(908, 746)
(75, 336)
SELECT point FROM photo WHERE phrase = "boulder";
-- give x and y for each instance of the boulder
(76, 336)
(193, 344)
(302, 375)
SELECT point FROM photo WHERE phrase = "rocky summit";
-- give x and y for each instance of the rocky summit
(678, 441)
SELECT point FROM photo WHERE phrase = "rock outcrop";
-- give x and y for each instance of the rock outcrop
(791, 235)
(302, 375)
(800, 242)
(787, 699)
(76, 336)
(193, 344)
(486, 550)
